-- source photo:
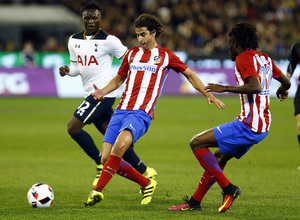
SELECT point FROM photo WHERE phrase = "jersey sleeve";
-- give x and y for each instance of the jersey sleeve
(115, 47)
(73, 57)
(175, 63)
(276, 71)
(124, 66)
(245, 66)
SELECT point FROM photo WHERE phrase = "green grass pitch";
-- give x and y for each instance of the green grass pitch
(35, 147)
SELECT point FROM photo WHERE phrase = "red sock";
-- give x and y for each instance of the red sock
(108, 171)
(209, 162)
(132, 174)
(204, 185)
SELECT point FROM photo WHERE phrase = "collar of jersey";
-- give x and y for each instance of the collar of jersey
(84, 34)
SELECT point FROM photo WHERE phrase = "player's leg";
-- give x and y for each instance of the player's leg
(121, 145)
(130, 156)
(200, 144)
(206, 181)
(88, 111)
(208, 161)
(297, 112)
(115, 165)
(298, 126)
(206, 158)
(84, 140)
(298, 130)
(99, 114)
(125, 169)
(132, 126)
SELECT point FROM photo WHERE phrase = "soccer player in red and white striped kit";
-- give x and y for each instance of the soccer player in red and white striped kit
(91, 56)
(145, 69)
(253, 71)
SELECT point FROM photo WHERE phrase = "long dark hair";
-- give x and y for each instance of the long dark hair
(245, 34)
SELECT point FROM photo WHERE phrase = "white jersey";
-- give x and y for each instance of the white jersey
(94, 58)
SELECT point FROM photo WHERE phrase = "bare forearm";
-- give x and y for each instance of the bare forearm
(196, 82)
(252, 85)
(246, 89)
(112, 85)
(115, 83)
(285, 82)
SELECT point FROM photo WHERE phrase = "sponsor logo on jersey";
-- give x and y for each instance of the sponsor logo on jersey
(143, 67)
(87, 60)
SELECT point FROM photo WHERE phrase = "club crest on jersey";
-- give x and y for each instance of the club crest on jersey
(157, 59)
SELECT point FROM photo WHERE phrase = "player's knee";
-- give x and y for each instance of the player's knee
(298, 126)
(72, 130)
(118, 151)
(104, 159)
(219, 157)
(194, 143)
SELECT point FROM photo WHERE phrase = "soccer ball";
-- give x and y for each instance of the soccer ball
(40, 195)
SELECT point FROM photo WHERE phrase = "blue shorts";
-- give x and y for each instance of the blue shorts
(236, 138)
(92, 111)
(137, 121)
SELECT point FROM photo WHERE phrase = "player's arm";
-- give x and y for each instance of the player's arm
(71, 71)
(115, 83)
(282, 92)
(198, 85)
(195, 81)
(64, 70)
(293, 60)
(252, 85)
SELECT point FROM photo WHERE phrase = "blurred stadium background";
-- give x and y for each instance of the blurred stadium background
(34, 33)
(35, 146)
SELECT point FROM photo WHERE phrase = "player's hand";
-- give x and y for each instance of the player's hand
(97, 94)
(215, 100)
(211, 87)
(64, 70)
(288, 75)
(282, 95)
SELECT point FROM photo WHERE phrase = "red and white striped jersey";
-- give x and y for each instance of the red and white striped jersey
(146, 72)
(255, 111)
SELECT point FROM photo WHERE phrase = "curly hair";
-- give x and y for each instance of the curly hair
(245, 35)
(151, 22)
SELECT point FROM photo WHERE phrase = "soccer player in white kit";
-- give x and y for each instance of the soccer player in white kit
(91, 54)
(145, 69)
